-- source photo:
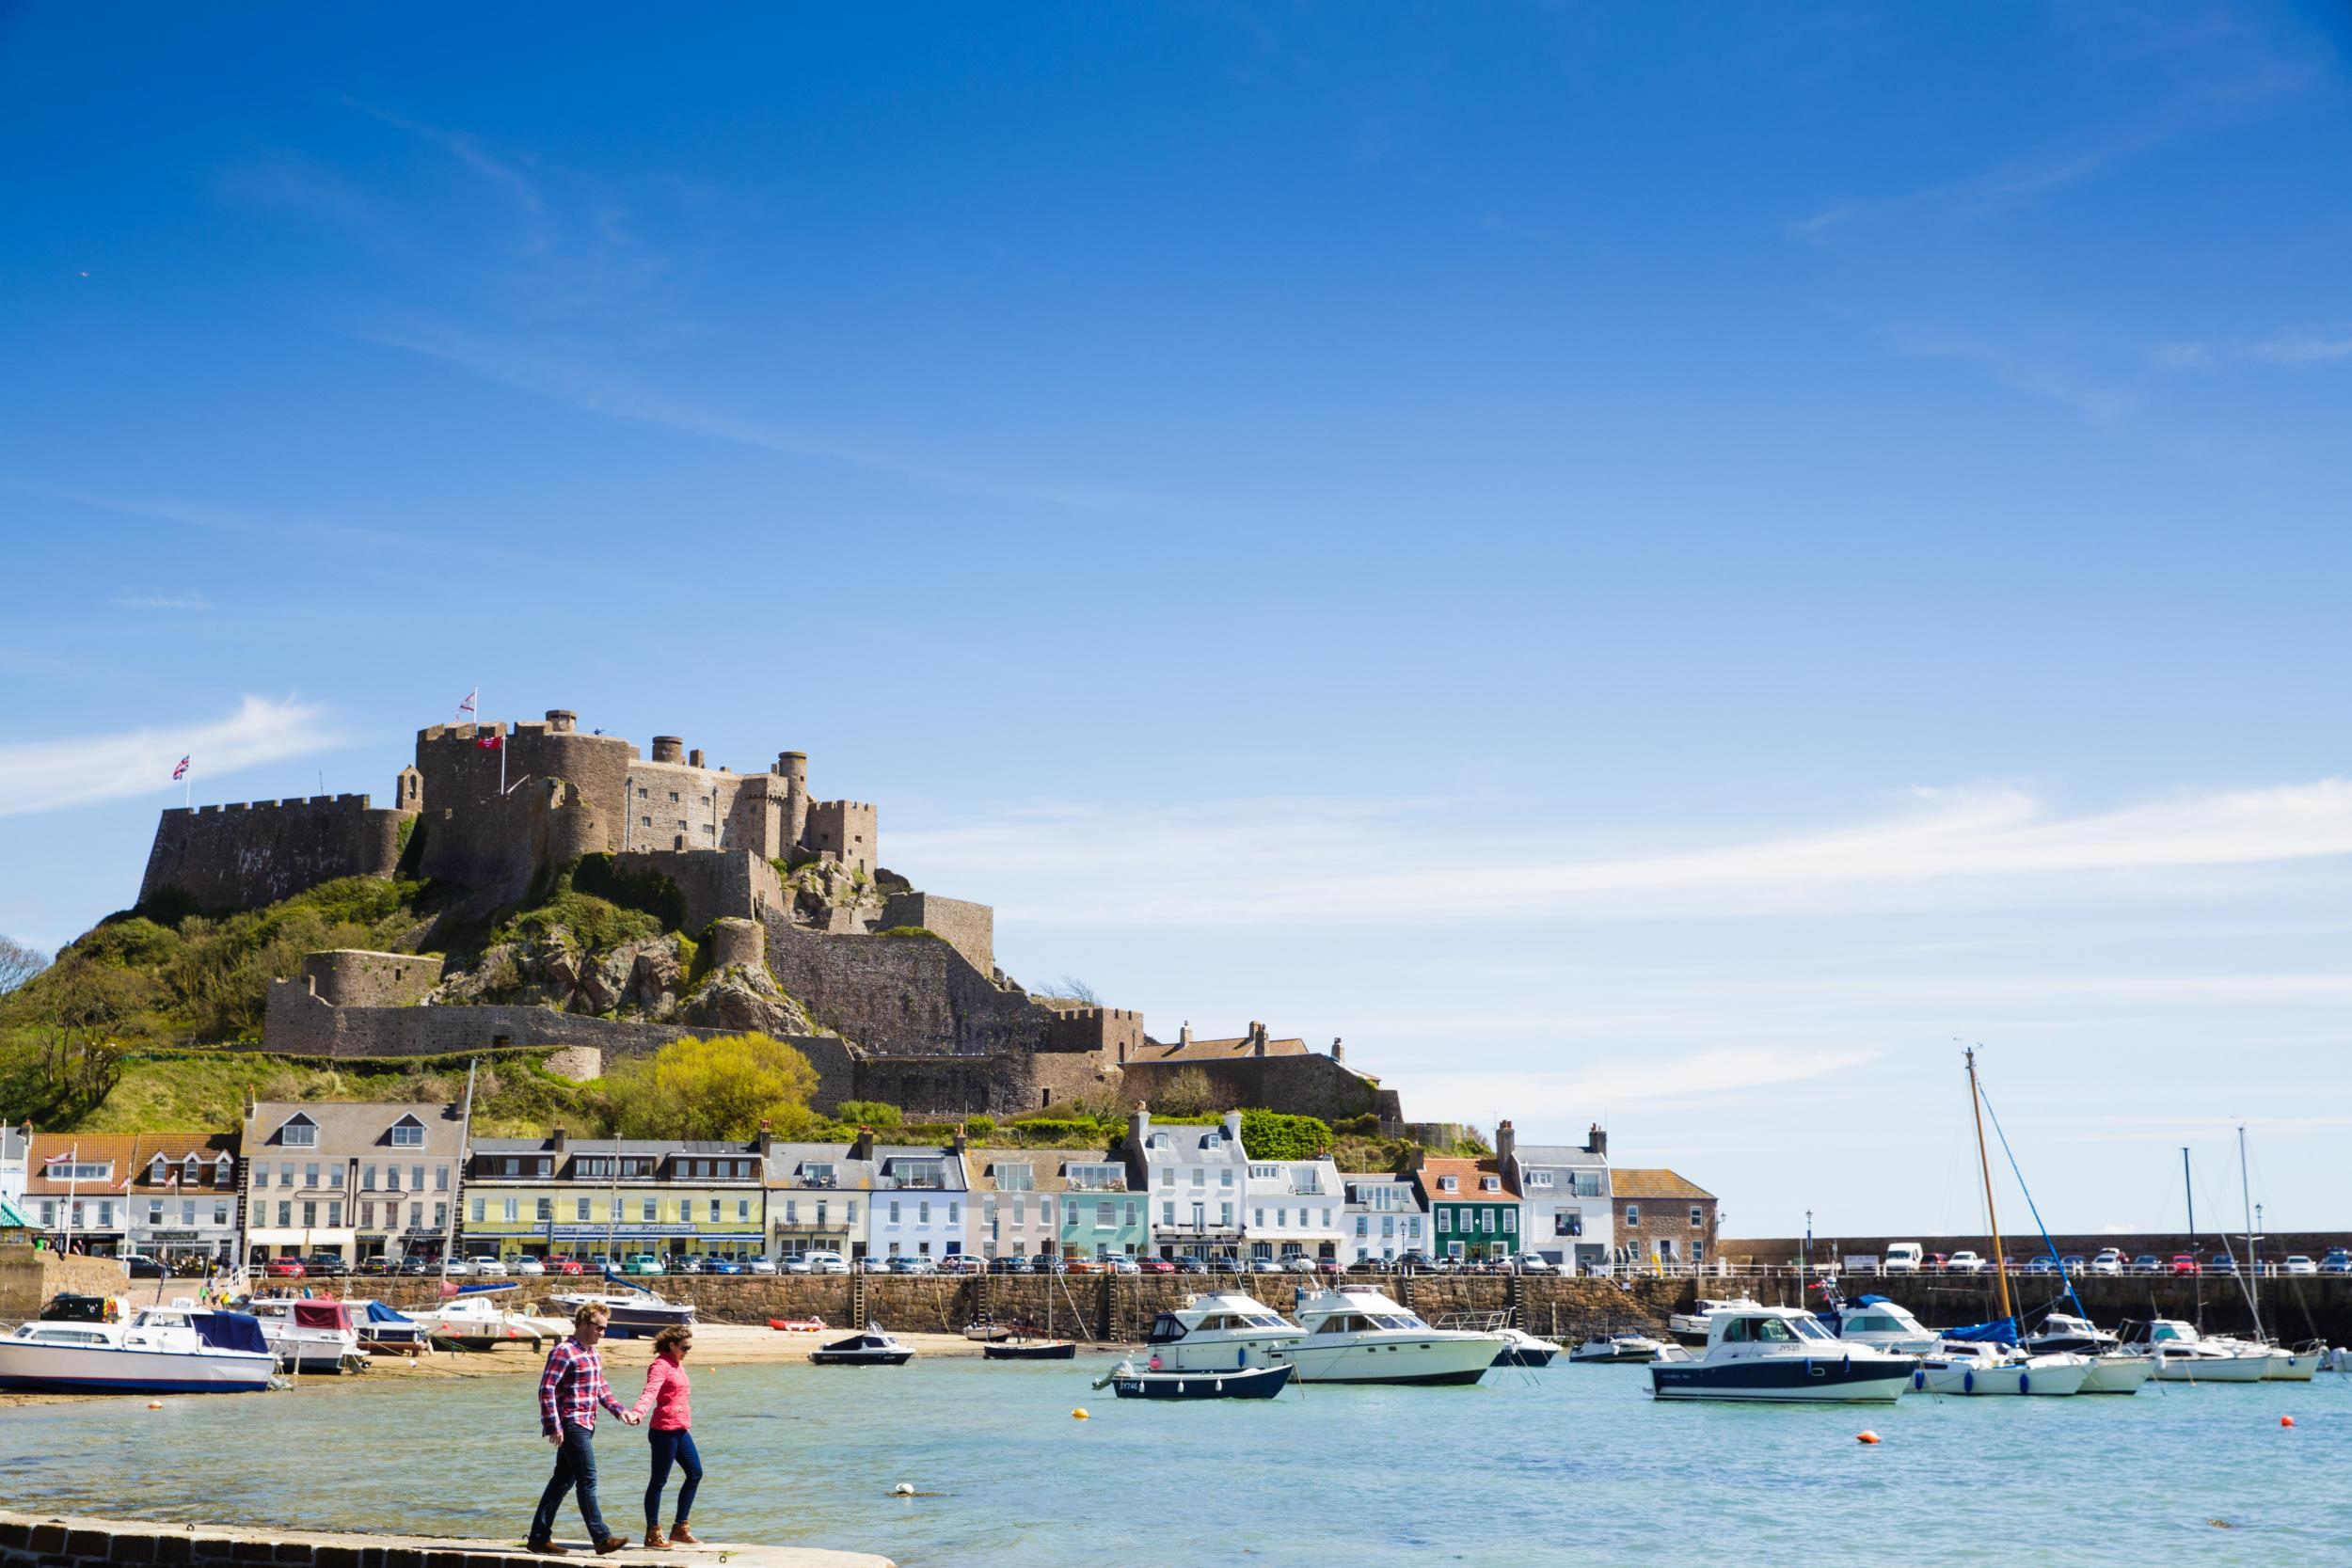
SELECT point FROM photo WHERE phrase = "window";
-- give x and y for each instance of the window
(391, 1178)
(1569, 1222)
(367, 1179)
(367, 1216)
(309, 1214)
(220, 1212)
(1106, 1215)
(894, 1211)
(441, 1176)
(653, 1211)
(546, 1208)
(155, 1170)
(1510, 1222)
(335, 1214)
(742, 1208)
(1449, 1184)
(923, 1213)
(1539, 1179)
(643, 821)
(1698, 1218)
(1015, 1179)
(309, 1176)
(285, 1215)
(955, 1212)
(480, 1209)
(1490, 1183)
(441, 1214)
(300, 1133)
(674, 801)
(408, 1132)
(154, 1210)
(286, 1175)
(1225, 1215)
(1225, 1177)
(640, 794)
(1168, 1213)
(1445, 1220)
(416, 1173)
(580, 1210)
(1632, 1214)
(1258, 1218)
(681, 824)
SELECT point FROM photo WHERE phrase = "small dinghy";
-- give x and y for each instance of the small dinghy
(1249, 1382)
(797, 1325)
(1620, 1349)
(1522, 1349)
(1028, 1350)
(873, 1348)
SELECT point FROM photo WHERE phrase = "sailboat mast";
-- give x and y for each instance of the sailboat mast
(2254, 1274)
(1984, 1164)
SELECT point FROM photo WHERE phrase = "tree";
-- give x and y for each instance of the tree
(870, 1112)
(1075, 990)
(19, 963)
(1190, 1092)
(720, 1089)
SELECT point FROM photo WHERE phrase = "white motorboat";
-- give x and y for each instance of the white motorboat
(1218, 1331)
(2183, 1355)
(309, 1337)
(1522, 1349)
(1781, 1353)
(1882, 1324)
(632, 1311)
(2118, 1372)
(1978, 1368)
(383, 1329)
(1626, 1349)
(1692, 1327)
(479, 1322)
(876, 1347)
(1355, 1334)
(162, 1350)
(2284, 1366)
(2063, 1333)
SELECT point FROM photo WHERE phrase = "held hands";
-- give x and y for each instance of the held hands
(630, 1418)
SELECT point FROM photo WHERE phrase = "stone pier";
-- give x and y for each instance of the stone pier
(67, 1540)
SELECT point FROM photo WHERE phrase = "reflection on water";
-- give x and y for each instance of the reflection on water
(1570, 1464)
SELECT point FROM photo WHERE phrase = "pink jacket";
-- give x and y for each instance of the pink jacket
(666, 1393)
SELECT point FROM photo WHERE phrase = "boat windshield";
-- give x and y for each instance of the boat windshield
(1399, 1321)
(1809, 1328)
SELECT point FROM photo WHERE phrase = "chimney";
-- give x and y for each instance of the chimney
(1339, 1052)
(963, 1139)
(694, 757)
(1506, 1144)
(251, 1104)
(1232, 1127)
(557, 1139)
(1257, 1040)
(1597, 1141)
(863, 1148)
(766, 1137)
(1138, 1129)
(1185, 1034)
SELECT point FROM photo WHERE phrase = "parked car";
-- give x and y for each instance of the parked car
(2042, 1265)
(761, 1264)
(1086, 1265)
(324, 1265)
(141, 1266)
(2339, 1260)
(1125, 1265)
(723, 1266)
(1329, 1265)
(1224, 1265)
(910, 1263)
(1008, 1264)
(2222, 1263)
(1902, 1257)
(529, 1267)
(1535, 1262)
(414, 1264)
(2147, 1262)
(2298, 1264)
(1265, 1265)
(961, 1263)
(1048, 1263)
(1189, 1264)
(1410, 1263)
(2074, 1263)
(1370, 1266)
(566, 1266)
(826, 1262)
(2109, 1261)
(490, 1268)
(283, 1268)
(2184, 1262)
(1154, 1265)
(645, 1263)
(1966, 1262)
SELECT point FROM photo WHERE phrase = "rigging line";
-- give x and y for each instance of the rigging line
(2030, 1205)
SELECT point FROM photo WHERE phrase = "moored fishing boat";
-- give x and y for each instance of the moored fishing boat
(161, 1350)
(1781, 1353)
(1233, 1383)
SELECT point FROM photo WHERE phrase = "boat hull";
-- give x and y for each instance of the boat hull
(2291, 1367)
(1782, 1379)
(860, 1358)
(998, 1351)
(2118, 1374)
(1522, 1356)
(1982, 1382)
(98, 1370)
(1395, 1361)
(2204, 1369)
(1256, 1383)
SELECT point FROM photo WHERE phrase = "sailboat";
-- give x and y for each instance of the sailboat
(2283, 1365)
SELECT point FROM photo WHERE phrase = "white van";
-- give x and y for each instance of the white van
(1902, 1258)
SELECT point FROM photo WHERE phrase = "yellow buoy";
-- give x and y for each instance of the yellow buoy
(1866, 1436)
(158, 1404)
(1080, 1415)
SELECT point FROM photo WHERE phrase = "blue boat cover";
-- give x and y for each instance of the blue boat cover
(487, 1290)
(379, 1313)
(231, 1331)
(2000, 1331)
(1873, 1301)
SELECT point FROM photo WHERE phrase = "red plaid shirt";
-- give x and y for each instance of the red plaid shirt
(572, 1387)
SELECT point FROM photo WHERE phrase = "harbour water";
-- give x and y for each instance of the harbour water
(1572, 1464)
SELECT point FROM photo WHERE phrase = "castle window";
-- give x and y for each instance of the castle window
(681, 824)
(640, 795)
(708, 829)
(644, 821)
(673, 797)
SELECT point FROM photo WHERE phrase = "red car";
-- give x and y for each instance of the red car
(1155, 1265)
(283, 1268)
(566, 1266)
(2185, 1263)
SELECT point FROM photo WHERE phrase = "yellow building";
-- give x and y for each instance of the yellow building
(591, 1199)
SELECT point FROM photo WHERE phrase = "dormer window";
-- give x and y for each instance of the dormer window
(1491, 1184)
(408, 1133)
(223, 1168)
(155, 1168)
(1448, 1184)
(189, 1170)
(299, 1132)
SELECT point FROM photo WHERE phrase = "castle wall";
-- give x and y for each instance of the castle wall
(298, 1024)
(1114, 1034)
(459, 775)
(999, 1086)
(354, 977)
(970, 928)
(903, 995)
(243, 856)
(498, 845)
(717, 883)
(1311, 1085)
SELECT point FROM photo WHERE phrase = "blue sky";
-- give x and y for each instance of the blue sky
(1659, 568)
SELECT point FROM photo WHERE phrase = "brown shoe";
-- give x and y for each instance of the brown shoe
(545, 1548)
(655, 1541)
(610, 1545)
(684, 1537)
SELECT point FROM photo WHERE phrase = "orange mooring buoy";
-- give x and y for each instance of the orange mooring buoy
(2286, 1420)
(1866, 1436)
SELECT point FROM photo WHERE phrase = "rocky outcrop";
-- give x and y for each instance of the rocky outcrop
(643, 978)
(742, 999)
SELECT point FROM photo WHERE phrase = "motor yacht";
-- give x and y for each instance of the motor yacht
(1881, 1324)
(1355, 1334)
(1780, 1353)
(162, 1350)
(1218, 1331)
(479, 1322)
(1980, 1367)
(1690, 1328)
(2183, 1355)
(309, 1337)
(1621, 1349)
(876, 1347)
(632, 1312)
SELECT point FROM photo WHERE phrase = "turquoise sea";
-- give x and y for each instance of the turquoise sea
(1569, 1464)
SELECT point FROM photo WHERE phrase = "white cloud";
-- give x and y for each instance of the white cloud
(1339, 859)
(49, 775)
(163, 601)
(1596, 1086)
(2301, 348)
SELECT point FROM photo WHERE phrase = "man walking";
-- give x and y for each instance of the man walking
(569, 1391)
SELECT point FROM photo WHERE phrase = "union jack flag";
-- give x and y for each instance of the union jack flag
(181, 771)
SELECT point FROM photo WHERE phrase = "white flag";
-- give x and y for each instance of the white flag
(465, 709)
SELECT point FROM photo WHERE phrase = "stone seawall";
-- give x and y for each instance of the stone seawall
(29, 1277)
(1781, 1251)
(70, 1540)
(2293, 1310)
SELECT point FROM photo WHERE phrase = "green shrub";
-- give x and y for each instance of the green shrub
(868, 1112)
(912, 931)
(601, 877)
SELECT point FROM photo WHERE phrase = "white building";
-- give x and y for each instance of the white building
(1564, 1198)
(353, 1181)
(1198, 1180)
(1294, 1209)
(916, 1204)
(182, 1204)
(1382, 1219)
(15, 1145)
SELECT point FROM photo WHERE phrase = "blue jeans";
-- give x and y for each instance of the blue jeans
(574, 1468)
(671, 1448)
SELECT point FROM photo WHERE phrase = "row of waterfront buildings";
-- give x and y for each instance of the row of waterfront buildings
(366, 1181)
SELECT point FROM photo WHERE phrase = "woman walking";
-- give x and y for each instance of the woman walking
(668, 1419)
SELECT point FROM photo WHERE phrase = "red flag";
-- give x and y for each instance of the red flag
(491, 742)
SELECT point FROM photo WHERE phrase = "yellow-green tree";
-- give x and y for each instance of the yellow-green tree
(720, 1089)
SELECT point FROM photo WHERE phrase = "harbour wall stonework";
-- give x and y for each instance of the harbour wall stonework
(1782, 1251)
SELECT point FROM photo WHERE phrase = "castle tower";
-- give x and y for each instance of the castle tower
(794, 767)
(408, 789)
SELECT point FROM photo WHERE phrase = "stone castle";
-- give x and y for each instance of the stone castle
(893, 992)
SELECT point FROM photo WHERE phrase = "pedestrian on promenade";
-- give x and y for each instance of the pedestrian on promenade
(569, 1391)
(668, 1418)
